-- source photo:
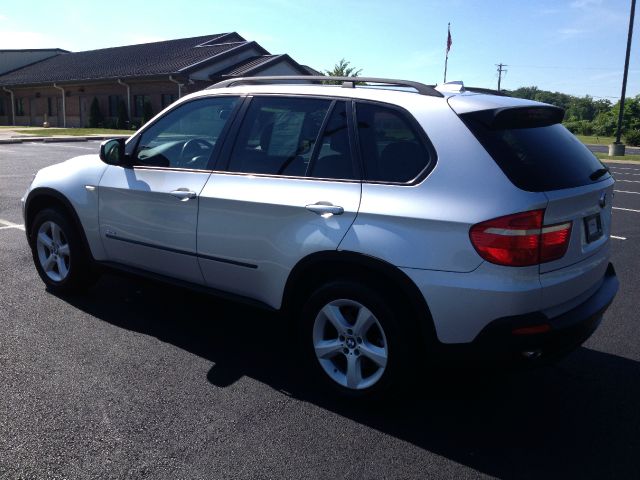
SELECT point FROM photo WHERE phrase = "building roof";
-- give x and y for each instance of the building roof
(171, 57)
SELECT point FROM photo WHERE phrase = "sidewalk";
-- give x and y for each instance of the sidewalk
(8, 135)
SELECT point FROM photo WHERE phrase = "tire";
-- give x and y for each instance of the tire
(59, 255)
(355, 358)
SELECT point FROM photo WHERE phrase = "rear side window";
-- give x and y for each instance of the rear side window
(334, 153)
(389, 144)
(536, 158)
(277, 135)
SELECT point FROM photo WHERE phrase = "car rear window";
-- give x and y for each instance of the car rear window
(535, 155)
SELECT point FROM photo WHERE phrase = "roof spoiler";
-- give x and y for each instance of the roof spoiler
(517, 117)
(347, 82)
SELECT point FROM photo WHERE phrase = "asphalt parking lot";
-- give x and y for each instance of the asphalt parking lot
(140, 380)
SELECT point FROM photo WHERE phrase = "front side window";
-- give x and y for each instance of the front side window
(277, 135)
(390, 147)
(186, 136)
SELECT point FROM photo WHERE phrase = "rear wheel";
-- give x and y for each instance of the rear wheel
(354, 338)
(58, 253)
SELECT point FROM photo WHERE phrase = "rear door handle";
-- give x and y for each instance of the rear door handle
(184, 194)
(325, 208)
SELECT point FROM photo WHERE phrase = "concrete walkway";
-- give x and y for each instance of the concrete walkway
(9, 135)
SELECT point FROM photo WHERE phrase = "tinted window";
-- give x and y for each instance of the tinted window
(390, 148)
(277, 135)
(334, 153)
(185, 137)
(537, 159)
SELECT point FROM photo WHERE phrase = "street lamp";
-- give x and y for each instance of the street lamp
(617, 148)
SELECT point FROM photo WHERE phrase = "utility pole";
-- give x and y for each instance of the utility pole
(617, 148)
(501, 70)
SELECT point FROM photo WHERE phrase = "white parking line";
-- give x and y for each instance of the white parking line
(617, 191)
(630, 181)
(626, 209)
(617, 237)
(622, 168)
(8, 224)
(16, 176)
(625, 173)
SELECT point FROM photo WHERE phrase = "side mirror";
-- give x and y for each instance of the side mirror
(112, 152)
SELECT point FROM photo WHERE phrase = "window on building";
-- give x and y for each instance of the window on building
(2, 107)
(167, 99)
(114, 101)
(139, 101)
(277, 135)
(51, 106)
(19, 107)
(390, 147)
(186, 137)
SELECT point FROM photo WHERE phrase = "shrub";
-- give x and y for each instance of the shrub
(580, 127)
(632, 137)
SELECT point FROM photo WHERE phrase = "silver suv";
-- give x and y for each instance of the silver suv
(390, 220)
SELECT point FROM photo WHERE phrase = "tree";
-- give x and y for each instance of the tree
(95, 115)
(342, 69)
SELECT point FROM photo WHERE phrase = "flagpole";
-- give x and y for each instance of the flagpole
(446, 58)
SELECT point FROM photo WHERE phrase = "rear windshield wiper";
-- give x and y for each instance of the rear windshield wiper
(598, 173)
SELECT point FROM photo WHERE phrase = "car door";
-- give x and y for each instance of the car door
(289, 186)
(148, 213)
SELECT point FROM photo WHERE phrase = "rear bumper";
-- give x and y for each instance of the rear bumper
(563, 333)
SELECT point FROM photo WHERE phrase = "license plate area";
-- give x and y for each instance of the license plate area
(593, 227)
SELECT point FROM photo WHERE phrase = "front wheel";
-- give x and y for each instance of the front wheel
(354, 338)
(58, 253)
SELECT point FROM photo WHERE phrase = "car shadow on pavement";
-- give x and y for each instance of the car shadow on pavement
(577, 419)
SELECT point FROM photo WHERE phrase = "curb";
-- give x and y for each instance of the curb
(59, 139)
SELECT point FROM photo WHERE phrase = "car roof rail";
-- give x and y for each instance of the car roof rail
(347, 82)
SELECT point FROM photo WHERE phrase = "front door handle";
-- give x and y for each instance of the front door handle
(184, 194)
(325, 209)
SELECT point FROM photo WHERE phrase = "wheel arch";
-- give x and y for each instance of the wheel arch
(321, 267)
(43, 197)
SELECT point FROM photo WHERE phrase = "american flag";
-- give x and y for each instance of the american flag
(449, 42)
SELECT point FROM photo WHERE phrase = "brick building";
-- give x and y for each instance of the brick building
(62, 85)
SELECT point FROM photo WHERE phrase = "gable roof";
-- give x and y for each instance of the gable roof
(254, 65)
(144, 60)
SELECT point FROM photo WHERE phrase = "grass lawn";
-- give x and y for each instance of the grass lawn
(50, 132)
(595, 140)
(605, 157)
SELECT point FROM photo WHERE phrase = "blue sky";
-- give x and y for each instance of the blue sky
(572, 46)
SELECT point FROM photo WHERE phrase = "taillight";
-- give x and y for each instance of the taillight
(520, 239)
